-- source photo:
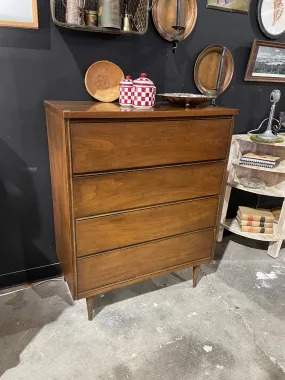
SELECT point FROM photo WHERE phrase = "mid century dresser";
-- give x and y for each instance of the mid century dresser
(135, 193)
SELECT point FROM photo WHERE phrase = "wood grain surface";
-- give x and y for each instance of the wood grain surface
(140, 188)
(207, 67)
(135, 194)
(102, 81)
(97, 110)
(111, 146)
(121, 265)
(58, 138)
(146, 276)
(120, 230)
(164, 18)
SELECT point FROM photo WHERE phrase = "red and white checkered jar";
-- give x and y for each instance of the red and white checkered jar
(126, 92)
(143, 93)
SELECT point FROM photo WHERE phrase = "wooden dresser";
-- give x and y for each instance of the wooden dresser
(135, 193)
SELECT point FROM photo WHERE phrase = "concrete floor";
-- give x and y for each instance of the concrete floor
(230, 327)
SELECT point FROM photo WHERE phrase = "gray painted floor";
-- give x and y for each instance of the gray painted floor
(230, 327)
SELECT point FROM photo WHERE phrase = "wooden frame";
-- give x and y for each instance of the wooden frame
(252, 59)
(225, 9)
(22, 24)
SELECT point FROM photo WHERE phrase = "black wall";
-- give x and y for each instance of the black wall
(50, 64)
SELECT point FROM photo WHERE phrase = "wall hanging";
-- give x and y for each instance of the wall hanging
(174, 19)
(271, 17)
(102, 81)
(266, 62)
(214, 70)
(19, 13)
(241, 6)
(103, 16)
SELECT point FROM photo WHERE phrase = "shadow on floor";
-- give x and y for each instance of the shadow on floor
(140, 288)
(24, 314)
(224, 250)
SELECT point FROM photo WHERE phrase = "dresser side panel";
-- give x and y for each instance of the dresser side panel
(61, 180)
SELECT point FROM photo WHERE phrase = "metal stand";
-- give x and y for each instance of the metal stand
(268, 134)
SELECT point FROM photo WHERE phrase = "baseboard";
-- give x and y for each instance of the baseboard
(30, 275)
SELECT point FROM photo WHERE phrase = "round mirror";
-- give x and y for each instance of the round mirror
(271, 17)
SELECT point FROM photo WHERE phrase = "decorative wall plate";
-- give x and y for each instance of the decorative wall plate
(271, 17)
(164, 17)
(206, 70)
(102, 81)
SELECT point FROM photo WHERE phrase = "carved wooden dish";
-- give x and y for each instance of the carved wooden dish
(102, 81)
(164, 18)
(206, 70)
(187, 100)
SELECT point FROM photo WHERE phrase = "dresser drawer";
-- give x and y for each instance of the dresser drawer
(124, 264)
(121, 145)
(120, 230)
(99, 194)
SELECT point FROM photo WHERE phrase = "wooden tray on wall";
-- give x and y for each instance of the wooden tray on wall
(164, 17)
(206, 70)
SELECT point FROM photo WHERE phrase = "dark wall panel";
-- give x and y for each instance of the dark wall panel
(50, 63)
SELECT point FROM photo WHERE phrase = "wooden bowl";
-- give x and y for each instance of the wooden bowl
(102, 81)
(206, 70)
(187, 100)
(164, 18)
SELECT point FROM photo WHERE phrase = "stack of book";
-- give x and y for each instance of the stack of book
(255, 220)
(261, 160)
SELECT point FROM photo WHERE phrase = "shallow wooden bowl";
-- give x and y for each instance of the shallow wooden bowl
(102, 81)
(164, 18)
(187, 100)
(206, 70)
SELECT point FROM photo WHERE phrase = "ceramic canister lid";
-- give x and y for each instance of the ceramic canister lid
(127, 81)
(143, 81)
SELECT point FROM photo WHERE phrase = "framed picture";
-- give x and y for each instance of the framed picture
(241, 6)
(271, 17)
(19, 13)
(266, 62)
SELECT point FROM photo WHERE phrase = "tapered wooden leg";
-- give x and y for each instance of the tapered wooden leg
(89, 302)
(196, 270)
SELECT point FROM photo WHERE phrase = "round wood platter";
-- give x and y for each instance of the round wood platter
(164, 17)
(206, 70)
(102, 81)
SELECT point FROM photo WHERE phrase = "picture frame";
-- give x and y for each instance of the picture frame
(19, 14)
(266, 62)
(271, 17)
(239, 6)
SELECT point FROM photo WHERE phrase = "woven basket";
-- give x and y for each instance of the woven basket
(63, 18)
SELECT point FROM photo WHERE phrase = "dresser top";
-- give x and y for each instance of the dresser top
(98, 110)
